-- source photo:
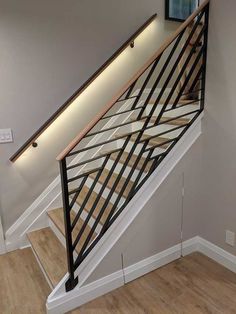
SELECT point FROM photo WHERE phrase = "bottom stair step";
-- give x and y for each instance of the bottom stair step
(50, 253)
(57, 216)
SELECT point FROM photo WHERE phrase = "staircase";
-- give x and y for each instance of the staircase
(47, 246)
(107, 164)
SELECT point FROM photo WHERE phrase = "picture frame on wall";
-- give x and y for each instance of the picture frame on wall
(180, 10)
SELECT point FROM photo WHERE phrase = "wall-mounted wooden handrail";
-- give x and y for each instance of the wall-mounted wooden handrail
(108, 106)
(34, 137)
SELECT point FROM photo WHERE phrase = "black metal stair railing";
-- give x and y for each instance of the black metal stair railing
(161, 104)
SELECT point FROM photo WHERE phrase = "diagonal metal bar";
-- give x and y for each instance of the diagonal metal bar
(89, 193)
(91, 159)
(182, 71)
(128, 198)
(174, 48)
(190, 74)
(84, 174)
(131, 90)
(187, 104)
(127, 180)
(119, 211)
(111, 128)
(153, 67)
(150, 95)
(78, 190)
(122, 112)
(96, 201)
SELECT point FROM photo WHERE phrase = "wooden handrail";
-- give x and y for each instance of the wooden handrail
(34, 137)
(108, 106)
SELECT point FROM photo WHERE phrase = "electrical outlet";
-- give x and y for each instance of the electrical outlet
(230, 237)
(6, 136)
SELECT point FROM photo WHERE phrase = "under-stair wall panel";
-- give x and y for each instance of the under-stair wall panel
(158, 226)
(219, 138)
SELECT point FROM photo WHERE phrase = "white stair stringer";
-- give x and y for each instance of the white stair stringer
(60, 301)
(35, 216)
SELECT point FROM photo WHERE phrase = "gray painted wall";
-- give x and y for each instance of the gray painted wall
(158, 226)
(219, 138)
(47, 50)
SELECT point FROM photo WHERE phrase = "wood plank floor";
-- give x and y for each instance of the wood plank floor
(192, 285)
(23, 288)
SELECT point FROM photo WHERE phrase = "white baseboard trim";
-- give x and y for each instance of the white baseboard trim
(190, 246)
(78, 296)
(160, 259)
(2, 240)
(81, 295)
(151, 263)
(216, 253)
(222, 257)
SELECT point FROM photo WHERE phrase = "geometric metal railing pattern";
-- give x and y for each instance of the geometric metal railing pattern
(153, 114)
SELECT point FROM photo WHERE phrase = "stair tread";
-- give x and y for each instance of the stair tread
(57, 216)
(112, 180)
(90, 203)
(131, 160)
(177, 122)
(171, 102)
(154, 141)
(50, 252)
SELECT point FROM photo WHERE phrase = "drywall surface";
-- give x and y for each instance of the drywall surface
(219, 127)
(48, 49)
(158, 226)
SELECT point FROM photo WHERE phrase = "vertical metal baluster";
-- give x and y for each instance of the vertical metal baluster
(72, 281)
(205, 56)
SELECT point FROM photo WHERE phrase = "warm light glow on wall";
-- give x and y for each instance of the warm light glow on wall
(149, 31)
(91, 93)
